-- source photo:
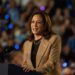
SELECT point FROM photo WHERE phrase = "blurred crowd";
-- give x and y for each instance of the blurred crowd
(14, 16)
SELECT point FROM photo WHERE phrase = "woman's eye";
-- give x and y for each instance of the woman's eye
(40, 22)
(32, 21)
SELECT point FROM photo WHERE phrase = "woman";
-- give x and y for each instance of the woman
(42, 50)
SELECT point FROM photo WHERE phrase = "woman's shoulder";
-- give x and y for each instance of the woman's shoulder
(26, 42)
(55, 36)
(55, 40)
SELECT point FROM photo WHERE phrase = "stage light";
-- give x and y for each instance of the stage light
(10, 26)
(17, 46)
(42, 8)
(65, 64)
(6, 16)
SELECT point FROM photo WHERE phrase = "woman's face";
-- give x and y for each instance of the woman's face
(37, 25)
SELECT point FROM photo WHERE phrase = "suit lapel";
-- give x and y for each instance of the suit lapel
(41, 50)
(28, 48)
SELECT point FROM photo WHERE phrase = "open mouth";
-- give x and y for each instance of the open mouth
(35, 29)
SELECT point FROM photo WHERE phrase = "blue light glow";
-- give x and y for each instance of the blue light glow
(6, 17)
(42, 8)
(10, 26)
(17, 47)
(65, 64)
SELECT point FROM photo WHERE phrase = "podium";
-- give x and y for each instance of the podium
(11, 69)
(15, 70)
(3, 69)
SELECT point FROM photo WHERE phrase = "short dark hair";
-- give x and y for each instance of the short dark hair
(47, 25)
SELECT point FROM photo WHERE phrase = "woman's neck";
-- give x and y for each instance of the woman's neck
(37, 37)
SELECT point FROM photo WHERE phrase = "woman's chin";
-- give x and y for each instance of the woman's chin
(36, 33)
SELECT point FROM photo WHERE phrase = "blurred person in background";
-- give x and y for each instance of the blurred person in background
(66, 13)
(72, 66)
(50, 8)
(13, 12)
(7, 49)
(20, 34)
(15, 57)
(10, 43)
(67, 71)
(71, 42)
(66, 54)
(30, 7)
(68, 30)
(22, 20)
(17, 34)
(41, 52)
(58, 15)
(3, 39)
(59, 27)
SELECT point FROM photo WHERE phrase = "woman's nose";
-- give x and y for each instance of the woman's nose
(35, 24)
